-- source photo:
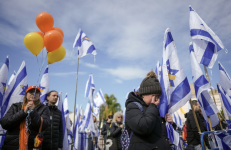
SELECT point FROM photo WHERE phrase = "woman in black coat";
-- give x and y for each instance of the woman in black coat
(116, 129)
(146, 125)
(14, 121)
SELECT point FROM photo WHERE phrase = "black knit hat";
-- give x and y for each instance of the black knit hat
(150, 85)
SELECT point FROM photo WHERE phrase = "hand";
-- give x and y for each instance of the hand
(29, 105)
(59, 148)
(121, 126)
(168, 118)
(155, 100)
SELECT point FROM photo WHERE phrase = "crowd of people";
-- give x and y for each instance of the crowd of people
(145, 128)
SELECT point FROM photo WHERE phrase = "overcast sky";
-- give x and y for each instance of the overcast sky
(128, 36)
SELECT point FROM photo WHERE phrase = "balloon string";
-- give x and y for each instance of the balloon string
(37, 61)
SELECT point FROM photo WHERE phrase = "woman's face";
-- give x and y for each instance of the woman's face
(119, 119)
(30, 95)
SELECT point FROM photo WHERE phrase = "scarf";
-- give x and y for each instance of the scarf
(23, 134)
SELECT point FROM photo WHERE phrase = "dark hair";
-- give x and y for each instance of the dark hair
(110, 116)
(48, 94)
(194, 102)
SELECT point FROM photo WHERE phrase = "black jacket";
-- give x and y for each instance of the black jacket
(53, 135)
(116, 132)
(106, 126)
(146, 125)
(193, 136)
(11, 122)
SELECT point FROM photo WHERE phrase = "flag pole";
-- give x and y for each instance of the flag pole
(207, 76)
(75, 104)
(195, 118)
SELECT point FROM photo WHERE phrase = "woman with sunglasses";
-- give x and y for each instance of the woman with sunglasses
(143, 121)
(19, 135)
(116, 128)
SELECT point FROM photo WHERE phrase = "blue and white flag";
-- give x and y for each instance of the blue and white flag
(158, 70)
(66, 112)
(82, 117)
(221, 138)
(205, 42)
(172, 134)
(11, 78)
(202, 86)
(90, 88)
(84, 44)
(99, 98)
(225, 103)
(65, 140)
(76, 130)
(88, 123)
(3, 80)
(179, 121)
(177, 87)
(60, 102)
(16, 90)
(225, 80)
(44, 86)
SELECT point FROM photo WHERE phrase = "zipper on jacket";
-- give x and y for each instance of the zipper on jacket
(51, 117)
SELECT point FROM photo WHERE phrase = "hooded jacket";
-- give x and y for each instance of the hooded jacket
(53, 135)
(11, 122)
(146, 125)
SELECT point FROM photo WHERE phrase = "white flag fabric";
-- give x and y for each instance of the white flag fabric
(44, 86)
(205, 42)
(84, 44)
(99, 98)
(60, 102)
(172, 134)
(220, 138)
(178, 90)
(16, 90)
(90, 88)
(66, 112)
(179, 121)
(76, 131)
(82, 117)
(225, 80)
(3, 80)
(11, 78)
(158, 70)
(202, 86)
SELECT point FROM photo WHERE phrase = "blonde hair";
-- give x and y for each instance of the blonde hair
(25, 101)
(116, 115)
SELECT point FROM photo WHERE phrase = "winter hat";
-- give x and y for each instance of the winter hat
(150, 85)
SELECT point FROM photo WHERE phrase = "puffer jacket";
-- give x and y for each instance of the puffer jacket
(53, 135)
(116, 132)
(11, 122)
(146, 125)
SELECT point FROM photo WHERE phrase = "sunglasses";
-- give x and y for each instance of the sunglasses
(33, 90)
(119, 117)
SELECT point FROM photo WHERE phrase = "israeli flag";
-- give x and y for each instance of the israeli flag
(3, 79)
(225, 103)
(11, 78)
(99, 99)
(66, 112)
(177, 87)
(82, 117)
(202, 86)
(76, 131)
(225, 80)
(84, 44)
(90, 88)
(16, 90)
(88, 124)
(158, 70)
(60, 102)
(95, 111)
(221, 138)
(65, 140)
(172, 134)
(205, 42)
(44, 86)
(179, 121)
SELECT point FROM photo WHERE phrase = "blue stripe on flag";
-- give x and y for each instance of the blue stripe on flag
(195, 32)
(199, 83)
(101, 96)
(88, 87)
(225, 101)
(66, 112)
(175, 118)
(46, 71)
(169, 39)
(190, 8)
(90, 49)
(43, 98)
(7, 63)
(208, 110)
(88, 118)
(79, 41)
(208, 54)
(191, 49)
(180, 92)
(19, 78)
(222, 69)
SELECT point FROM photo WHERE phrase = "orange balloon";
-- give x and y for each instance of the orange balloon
(40, 33)
(58, 29)
(53, 40)
(44, 21)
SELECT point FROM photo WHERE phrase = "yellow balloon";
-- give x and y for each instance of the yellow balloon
(56, 55)
(34, 42)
